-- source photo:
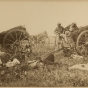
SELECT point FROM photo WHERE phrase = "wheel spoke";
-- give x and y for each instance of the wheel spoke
(8, 44)
(20, 35)
(23, 38)
(81, 42)
(82, 50)
(86, 36)
(9, 40)
(80, 46)
(12, 37)
(16, 35)
(85, 51)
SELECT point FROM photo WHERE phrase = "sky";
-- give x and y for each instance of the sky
(40, 16)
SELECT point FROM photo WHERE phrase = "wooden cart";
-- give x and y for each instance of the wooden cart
(15, 39)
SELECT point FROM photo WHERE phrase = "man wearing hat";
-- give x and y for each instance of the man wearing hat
(73, 27)
(58, 31)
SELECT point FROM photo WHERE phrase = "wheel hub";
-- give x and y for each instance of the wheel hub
(17, 43)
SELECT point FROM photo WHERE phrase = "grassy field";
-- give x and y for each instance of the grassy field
(53, 75)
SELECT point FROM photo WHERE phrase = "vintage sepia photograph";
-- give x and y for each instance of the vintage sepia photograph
(44, 43)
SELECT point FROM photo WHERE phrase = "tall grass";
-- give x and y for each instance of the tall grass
(53, 75)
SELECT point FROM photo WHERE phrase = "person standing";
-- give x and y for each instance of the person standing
(58, 31)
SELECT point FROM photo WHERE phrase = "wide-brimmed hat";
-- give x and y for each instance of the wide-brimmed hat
(58, 23)
(74, 23)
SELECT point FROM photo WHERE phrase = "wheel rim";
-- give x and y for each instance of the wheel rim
(82, 43)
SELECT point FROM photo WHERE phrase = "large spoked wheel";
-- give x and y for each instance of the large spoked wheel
(44, 42)
(82, 43)
(42, 45)
(16, 40)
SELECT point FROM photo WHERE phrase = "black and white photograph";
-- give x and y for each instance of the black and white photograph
(44, 43)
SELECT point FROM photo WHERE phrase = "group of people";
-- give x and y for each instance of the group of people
(63, 33)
